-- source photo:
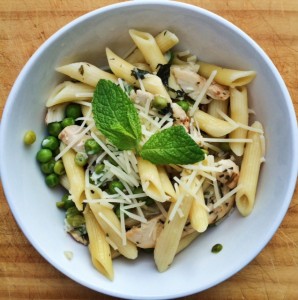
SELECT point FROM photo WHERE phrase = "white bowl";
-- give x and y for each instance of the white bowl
(211, 38)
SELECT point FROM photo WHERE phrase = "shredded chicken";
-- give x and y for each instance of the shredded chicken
(55, 113)
(76, 234)
(145, 235)
(221, 211)
(180, 116)
(191, 83)
(71, 133)
(141, 97)
(230, 174)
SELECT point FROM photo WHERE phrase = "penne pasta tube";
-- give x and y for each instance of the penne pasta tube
(69, 91)
(186, 240)
(225, 76)
(75, 175)
(198, 215)
(165, 41)
(110, 224)
(98, 246)
(149, 48)
(167, 242)
(239, 114)
(86, 73)
(211, 125)
(218, 105)
(143, 66)
(150, 180)
(166, 183)
(123, 69)
(249, 172)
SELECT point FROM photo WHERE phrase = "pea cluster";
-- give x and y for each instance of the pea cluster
(50, 146)
(160, 103)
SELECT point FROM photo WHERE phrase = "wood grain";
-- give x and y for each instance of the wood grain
(25, 25)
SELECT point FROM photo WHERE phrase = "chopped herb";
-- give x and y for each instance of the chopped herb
(138, 73)
(81, 70)
(216, 248)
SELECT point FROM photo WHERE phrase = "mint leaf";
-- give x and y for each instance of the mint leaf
(172, 146)
(115, 115)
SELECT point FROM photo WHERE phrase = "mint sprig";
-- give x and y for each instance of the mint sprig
(172, 146)
(115, 115)
(117, 118)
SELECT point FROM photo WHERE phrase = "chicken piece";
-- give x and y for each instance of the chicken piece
(72, 133)
(141, 97)
(191, 83)
(221, 211)
(180, 116)
(78, 236)
(55, 113)
(145, 235)
(230, 174)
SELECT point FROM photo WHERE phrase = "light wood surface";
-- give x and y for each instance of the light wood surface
(25, 25)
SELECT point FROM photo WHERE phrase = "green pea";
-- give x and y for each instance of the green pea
(52, 180)
(91, 147)
(72, 211)
(76, 221)
(184, 105)
(67, 122)
(159, 102)
(54, 128)
(81, 159)
(50, 142)
(225, 147)
(48, 167)
(73, 110)
(139, 190)
(99, 168)
(65, 202)
(59, 167)
(216, 248)
(112, 161)
(44, 155)
(115, 184)
(29, 137)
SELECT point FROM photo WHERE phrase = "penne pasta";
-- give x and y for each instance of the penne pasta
(123, 69)
(239, 114)
(98, 246)
(218, 105)
(249, 173)
(225, 76)
(166, 183)
(106, 217)
(76, 177)
(86, 73)
(198, 214)
(149, 48)
(69, 91)
(186, 241)
(168, 241)
(211, 125)
(165, 41)
(150, 179)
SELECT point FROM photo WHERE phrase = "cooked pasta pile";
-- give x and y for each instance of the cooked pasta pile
(156, 170)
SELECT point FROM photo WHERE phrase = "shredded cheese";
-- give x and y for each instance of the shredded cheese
(202, 93)
(227, 196)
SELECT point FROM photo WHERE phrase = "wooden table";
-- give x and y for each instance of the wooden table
(25, 25)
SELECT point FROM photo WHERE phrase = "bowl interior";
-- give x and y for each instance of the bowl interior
(211, 39)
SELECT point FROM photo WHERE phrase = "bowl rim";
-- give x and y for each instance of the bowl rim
(11, 100)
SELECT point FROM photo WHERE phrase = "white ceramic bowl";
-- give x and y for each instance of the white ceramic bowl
(211, 38)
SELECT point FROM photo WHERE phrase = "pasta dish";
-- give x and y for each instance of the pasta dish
(152, 150)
